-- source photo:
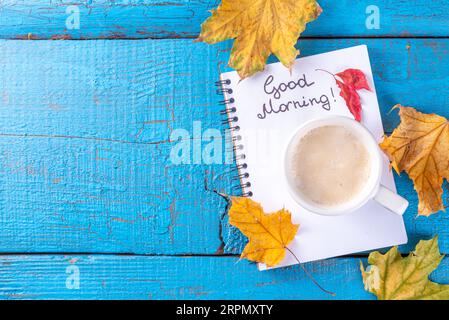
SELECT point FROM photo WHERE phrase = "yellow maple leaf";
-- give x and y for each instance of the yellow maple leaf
(260, 27)
(268, 234)
(419, 146)
(392, 277)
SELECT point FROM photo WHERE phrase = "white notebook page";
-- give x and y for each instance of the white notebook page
(265, 133)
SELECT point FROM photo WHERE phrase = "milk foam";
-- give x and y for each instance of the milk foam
(330, 165)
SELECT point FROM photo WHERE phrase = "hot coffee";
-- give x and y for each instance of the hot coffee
(330, 165)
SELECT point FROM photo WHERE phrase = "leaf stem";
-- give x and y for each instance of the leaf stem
(309, 275)
(333, 75)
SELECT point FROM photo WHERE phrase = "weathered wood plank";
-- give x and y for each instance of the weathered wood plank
(85, 147)
(51, 19)
(140, 277)
(85, 127)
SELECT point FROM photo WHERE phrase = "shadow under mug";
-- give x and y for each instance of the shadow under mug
(372, 189)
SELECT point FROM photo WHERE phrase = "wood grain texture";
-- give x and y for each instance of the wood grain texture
(141, 277)
(85, 128)
(182, 19)
(85, 157)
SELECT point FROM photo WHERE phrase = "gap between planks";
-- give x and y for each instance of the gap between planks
(184, 255)
(195, 37)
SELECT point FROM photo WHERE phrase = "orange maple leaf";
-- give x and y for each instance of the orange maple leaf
(268, 234)
(420, 147)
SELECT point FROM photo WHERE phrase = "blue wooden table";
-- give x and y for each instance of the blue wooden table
(90, 204)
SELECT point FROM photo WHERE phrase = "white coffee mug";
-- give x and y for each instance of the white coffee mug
(372, 189)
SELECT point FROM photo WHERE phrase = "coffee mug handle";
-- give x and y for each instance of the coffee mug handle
(391, 200)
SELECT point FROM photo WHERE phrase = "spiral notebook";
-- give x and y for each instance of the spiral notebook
(263, 112)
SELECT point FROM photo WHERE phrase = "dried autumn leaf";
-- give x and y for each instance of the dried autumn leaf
(355, 78)
(419, 146)
(268, 234)
(391, 277)
(352, 99)
(260, 27)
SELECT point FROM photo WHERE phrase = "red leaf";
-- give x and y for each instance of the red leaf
(352, 99)
(355, 78)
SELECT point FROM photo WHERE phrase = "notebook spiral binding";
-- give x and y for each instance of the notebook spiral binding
(229, 112)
